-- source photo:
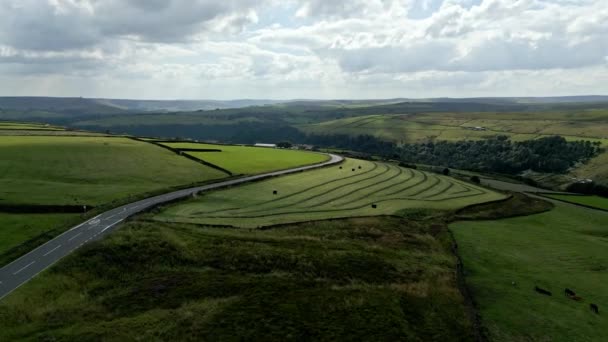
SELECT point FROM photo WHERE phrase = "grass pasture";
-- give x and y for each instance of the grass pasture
(89, 170)
(373, 279)
(562, 248)
(17, 228)
(339, 191)
(591, 201)
(251, 160)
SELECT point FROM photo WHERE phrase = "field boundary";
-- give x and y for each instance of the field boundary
(185, 155)
(544, 195)
(44, 209)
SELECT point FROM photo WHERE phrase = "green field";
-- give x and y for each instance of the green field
(17, 228)
(373, 279)
(329, 193)
(563, 248)
(89, 170)
(251, 160)
(592, 201)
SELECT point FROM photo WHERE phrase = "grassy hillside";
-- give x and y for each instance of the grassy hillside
(350, 189)
(89, 170)
(17, 228)
(251, 160)
(38, 173)
(592, 201)
(460, 126)
(380, 279)
(563, 248)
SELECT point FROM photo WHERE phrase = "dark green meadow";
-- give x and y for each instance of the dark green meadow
(382, 279)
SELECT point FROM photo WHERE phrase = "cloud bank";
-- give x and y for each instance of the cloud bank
(308, 48)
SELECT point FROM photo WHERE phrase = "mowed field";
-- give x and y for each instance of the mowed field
(348, 190)
(251, 160)
(89, 170)
(592, 201)
(563, 248)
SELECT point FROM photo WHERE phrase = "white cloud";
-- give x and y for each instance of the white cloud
(303, 48)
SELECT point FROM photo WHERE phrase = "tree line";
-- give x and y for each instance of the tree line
(552, 154)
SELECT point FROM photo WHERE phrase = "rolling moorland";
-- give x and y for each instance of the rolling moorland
(371, 249)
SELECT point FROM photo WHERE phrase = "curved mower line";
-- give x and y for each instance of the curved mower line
(411, 175)
(359, 189)
(425, 188)
(290, 195)
(317, 195)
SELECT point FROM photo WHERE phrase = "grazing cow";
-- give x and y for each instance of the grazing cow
(275, 192)
(594, 308)
(353, 169)
(359, 167)
(542, 291)
(374, 206)
(340, 167)
(569, 293)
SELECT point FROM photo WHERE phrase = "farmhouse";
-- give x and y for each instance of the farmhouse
(265, 145)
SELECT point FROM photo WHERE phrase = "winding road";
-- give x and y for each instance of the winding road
(31, 264)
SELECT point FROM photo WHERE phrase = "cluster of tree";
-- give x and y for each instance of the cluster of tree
(590, 188)
(499, 154)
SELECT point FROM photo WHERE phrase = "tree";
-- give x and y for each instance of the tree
(446, 172)
(475, 179)
(284, 144)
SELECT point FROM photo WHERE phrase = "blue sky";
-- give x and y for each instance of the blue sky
(205, 49)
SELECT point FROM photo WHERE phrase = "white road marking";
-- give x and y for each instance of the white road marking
(26, 266)
(112, 225)
(75, 236)
(78, 226)
(52, 250)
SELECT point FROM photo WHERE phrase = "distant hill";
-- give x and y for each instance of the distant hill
(79, 106)
(61, 105)
(181, 105)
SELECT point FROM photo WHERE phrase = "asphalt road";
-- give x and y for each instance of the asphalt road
(31, 264)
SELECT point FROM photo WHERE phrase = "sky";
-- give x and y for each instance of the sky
(295, 49)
